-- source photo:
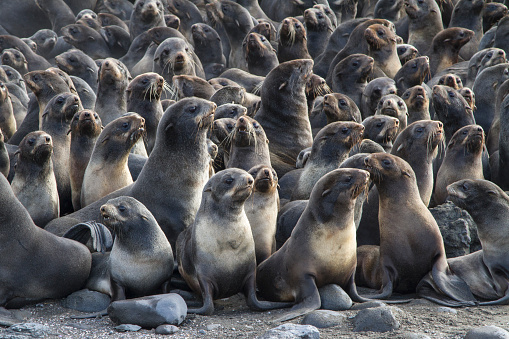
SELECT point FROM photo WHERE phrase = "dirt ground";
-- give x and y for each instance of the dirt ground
(232, 319)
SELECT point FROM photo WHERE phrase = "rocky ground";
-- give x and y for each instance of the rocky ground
(232, 319)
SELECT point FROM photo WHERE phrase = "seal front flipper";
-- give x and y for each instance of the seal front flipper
(445, 288)
(102, 240)
(308, 300)
(259, 305)
(208, 303)
(355, 296)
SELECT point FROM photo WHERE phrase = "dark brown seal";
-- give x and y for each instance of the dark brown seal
(417, 103)
(34, 182)
(260, 56)
(382, 48)
(445, 48)
(146, 14)
(322, 243)
(216, 254)
(7, 118)
(107, 169)
(463, 160)
(292, 41)
(393, 106)
(382, 129)
(424, 22)
(373, 92)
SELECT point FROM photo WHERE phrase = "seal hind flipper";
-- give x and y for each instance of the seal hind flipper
(101, 237)
(308, 300)
(356, 297)
(259, 305)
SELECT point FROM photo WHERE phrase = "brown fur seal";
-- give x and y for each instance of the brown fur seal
(393, 106)
(404, 219)
(35, 62)
(220, 135)
(143, 97)
(417, 103)
(75, 62)
(181, 144)
(207, 46)
(261, 210)
(318, 30)
(249, 145)
(334, 107)
(445, 48)
(260, 56)
(146, 14)
(86, 39)
(34, 182)
(216, 254)
(292, 41)
(469, 14)
(406, 53)
(424, 22)
(14, 58)
(111, 99)
(350, 76)
(192, 86)
(373, 92)
(382, 129)
(7, 118)
(463, 160)
(469, 97)
(283, 113)
(232, 111)
(482, 59)
(412, 74)
(54, 266)
(141, 259)
(107, 169)
(382, 48)
(85, 129)
(56, 121)
(451, 80)
(482, 270)
(322, 243)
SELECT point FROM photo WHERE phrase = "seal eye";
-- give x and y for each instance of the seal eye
(96, 116)
(380, 33)
(342, 102)
(451, 94)
(489, 55)
(348, 179)
(141, 4)
(31, 141)
(9, 73)
(465, 132)
(60, 100)
(419, 129)
(229, 181)
(319, 16)
(121, 208)
(464, 186)
(192, 109)
(386, 162)
(125, 125)
(355, 63)
(344, 130)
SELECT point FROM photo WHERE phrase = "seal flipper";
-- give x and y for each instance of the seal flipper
(101, 237)
(253, 302)
(308, 300)
(355, 296)
(445, 288)
(208, 303)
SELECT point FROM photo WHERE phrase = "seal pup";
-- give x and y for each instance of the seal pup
(261, 209)
(107, 169)
(146, 14)
(85, 129)
(216, 254)
(382, 48)
(451, 80)
(483, 271)
(373, 92)
(141, 259)
(382, 129)
(417, 102)
(292, 42)
(34, 182)
(14, 58)
(323, 243)
(283, 113)
(391, 266)
(7, 118)
(393, 106)
(463, 160)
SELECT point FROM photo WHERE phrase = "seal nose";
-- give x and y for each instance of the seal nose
(87, 115)
(48, 139)
(440, 124)
(396, 122)
(266, 172)
(479, 129)
(241, 120)
(107, 63)
(250, 181)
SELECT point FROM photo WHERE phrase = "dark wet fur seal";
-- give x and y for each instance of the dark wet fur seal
(260, 56)
(86, 39)
(445, 48)
(146, 14)
(229, 248)
(76, 62)
(417, 102)
(34, 183)
(7, 118)
(373, 92)
(292, 41)
(424, 22)
(319, 28)
(207, 46)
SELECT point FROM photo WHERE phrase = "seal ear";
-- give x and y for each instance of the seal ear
(208, 187)
(91, 38)
(404, 172)
(326, 192)
(283, 85)
(400, 147)
(91, 70)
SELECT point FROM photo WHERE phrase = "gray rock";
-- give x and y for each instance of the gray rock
(87, 301)
(166, 329)
(324, 319)
(447, 310)
(32, 329)
(366, 305)
(379, 319)
(212, 327)
(458, 229)
(9, 317)
(150, 311)
(410, 335)
(127, 328)
(291, 331)
(334, 298)
(487, 332)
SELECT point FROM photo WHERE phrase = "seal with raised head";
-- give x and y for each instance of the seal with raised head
(445, 48)
(404, 219)
(75, 62)
(34, 182)
(292, 41)
(107, 169)
(382, 48)
(424, 22)
(382, 129)
(393, 106)
(373, 92)
(260, 56)
(86, 39)
(417, 103)
(7, 118)
(463, 160)
(145, 15)
(322, 243)
(216, 254)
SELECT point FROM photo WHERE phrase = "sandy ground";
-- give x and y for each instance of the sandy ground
(232, 319)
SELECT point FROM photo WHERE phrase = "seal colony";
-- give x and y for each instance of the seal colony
(239, 144)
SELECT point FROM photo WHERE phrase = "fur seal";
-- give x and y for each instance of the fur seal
(292, 41)
(334, 107)
(34, 182)
(463, 160)
(406, 53)
(261, 209)
(283, 110)
(260, 56)
(14, 58)
(424, 22)
(373, 92)
(232, 111)
(382, 48)
(7, 118)
(117, 39)
(107, 169)
(417, 103)
(382, 129)
(481, 270)
(394, 268)
(111, 99)
(393, 106)
(181, 144)
(249, 145)
(77, 63)
(54, 266)
(85, 129)
(146, 14)
(192, 86)
(85, 92)
(86, 39)
(141, 259)
(327, 221)
(319, 28)
(412, 73)
(451, 80)
(216, 254)
(445, 48)
(35, 61)
(207, 46)
(469, 14)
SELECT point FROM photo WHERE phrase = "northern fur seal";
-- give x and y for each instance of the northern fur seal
(292, 41)
(216, 254)
(404, 219)
(107, 169)
(34, 182)
(322, 243)
(145, 15)
(172, 196)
